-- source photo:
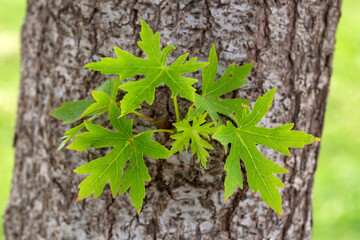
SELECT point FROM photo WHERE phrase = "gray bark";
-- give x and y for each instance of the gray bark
(291, 43)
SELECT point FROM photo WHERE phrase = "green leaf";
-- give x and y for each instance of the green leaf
(70, 112)
(110, 87)
(137, 173)
(103, 170)
(155, 69)
(185, 132)
(100, 106)
(107, 90)
(232, 79)
(110, 168)
(115, 88)
(244, 139)
(135, 177)
(68, 135)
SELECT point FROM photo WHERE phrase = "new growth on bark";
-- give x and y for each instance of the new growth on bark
(291, 44)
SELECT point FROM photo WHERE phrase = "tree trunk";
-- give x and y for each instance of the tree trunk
(291, 43)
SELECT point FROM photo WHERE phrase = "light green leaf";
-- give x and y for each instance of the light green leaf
(137, 173)
(100, 106)
(187, 132)
(68, 135)
(99, 137)
(126, 65)
(106, 92)
(106, 169)
(73, 111)
(110, 168)
(135, 176)
(150, 148)
(155, 69)
(110, 87)
(70, 112)
(227, 135)
(232, 79)
(244, 138)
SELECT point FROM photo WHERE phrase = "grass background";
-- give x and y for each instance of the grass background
(336, 191)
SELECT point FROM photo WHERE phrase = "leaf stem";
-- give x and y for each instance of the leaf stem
(176, 109)
(146, 117)
(164, 130)
(94, 117)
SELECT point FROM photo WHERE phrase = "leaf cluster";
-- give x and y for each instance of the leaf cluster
(124, 168)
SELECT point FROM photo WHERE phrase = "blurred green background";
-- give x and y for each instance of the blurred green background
(336, 191)
(11, 18)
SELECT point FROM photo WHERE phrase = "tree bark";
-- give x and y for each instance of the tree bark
(291, 43)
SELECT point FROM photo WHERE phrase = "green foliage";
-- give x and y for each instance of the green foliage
(70, 112)
(155, 69)
(110, 168)
(243, 141)
(102, 95)
(124, 168)
(68, 135)
(232, 79)
(185, 132)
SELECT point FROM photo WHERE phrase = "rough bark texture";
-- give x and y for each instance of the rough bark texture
(291, 43)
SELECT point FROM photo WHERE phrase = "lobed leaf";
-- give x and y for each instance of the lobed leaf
(100, 106)
(155, 69)
(244, 139)
(126, 147)
(73, 111)
(187, 132)
(210, 100)
(137, 173)
(127, 153)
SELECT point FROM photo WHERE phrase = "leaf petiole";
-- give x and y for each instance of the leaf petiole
(176, 109)
(164, 130)
(146, 117)
(95, 116)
